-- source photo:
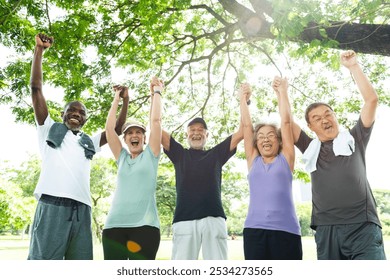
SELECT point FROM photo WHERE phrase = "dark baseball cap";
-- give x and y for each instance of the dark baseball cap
(198, 120)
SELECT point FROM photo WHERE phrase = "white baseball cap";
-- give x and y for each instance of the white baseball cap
(130, 124)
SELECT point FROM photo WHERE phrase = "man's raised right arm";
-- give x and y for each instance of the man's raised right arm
(42, 42)
(166, 140)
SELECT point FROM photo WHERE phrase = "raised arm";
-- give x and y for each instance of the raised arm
(156, 89)
(370, 97)
(42, 42)
(280, 86)
(247, 126)
(111, 135)
(165, 140)
(124, 94)
(296, 129)
(237, 137)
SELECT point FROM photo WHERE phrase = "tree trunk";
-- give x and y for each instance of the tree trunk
(363, 38)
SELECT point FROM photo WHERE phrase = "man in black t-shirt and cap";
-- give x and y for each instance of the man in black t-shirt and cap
(199, 219)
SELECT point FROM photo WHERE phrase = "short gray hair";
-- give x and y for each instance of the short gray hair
(274, 126)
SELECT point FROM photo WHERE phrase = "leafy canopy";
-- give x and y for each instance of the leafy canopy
(202, 49)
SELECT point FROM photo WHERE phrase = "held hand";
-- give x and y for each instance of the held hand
(156, 84)
(245, 91)
(120, 92)
(348, 59)
(44, 41)
(280, 85)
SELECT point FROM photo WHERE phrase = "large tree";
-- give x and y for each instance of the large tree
(202, 49)
(365, 31)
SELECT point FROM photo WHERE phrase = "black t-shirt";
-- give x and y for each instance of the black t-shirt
(198, 180)
(341, 193)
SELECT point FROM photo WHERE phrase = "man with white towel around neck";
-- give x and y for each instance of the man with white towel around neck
(344, 212)
(62, 227)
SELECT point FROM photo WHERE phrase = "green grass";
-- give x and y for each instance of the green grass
(14, 248)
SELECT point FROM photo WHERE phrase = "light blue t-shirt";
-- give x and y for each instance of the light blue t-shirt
(271, 203)
(134, 202)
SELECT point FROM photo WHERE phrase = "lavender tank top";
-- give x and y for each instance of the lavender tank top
(271, 203)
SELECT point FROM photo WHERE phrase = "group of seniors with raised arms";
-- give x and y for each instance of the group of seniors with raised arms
(344, 214)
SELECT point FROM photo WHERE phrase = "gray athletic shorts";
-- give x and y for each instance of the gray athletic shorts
(362, 241)
(61, 230)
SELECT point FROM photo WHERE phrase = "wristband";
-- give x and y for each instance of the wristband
(158, 92)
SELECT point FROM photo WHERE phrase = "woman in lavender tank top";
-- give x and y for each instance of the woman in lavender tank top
(272, 230)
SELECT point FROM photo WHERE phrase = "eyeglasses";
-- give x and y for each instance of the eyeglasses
(326, 116)
(270, 137)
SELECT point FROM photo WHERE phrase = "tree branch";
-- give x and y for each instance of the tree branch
(47, 15)
(211, 11)
(262, 6)
(16, 5)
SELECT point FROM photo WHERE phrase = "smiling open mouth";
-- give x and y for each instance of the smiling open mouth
(134, 142)
(73, 120)
(327, 127)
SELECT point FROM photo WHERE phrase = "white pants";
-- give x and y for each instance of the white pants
(210, 233)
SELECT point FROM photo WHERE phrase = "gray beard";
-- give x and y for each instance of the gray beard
(74, 129)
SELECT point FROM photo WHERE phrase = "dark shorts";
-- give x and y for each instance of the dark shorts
(61, 230)
(361, 241)
(264, 244)
(138, 243)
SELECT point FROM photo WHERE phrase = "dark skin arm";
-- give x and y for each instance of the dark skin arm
(42, 42)
(124, 94)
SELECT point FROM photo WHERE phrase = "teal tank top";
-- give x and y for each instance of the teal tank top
(134, 201)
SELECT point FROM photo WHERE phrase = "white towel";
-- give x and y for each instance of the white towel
(343, 145)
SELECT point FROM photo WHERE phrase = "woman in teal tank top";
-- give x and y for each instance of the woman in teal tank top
(132, 227)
